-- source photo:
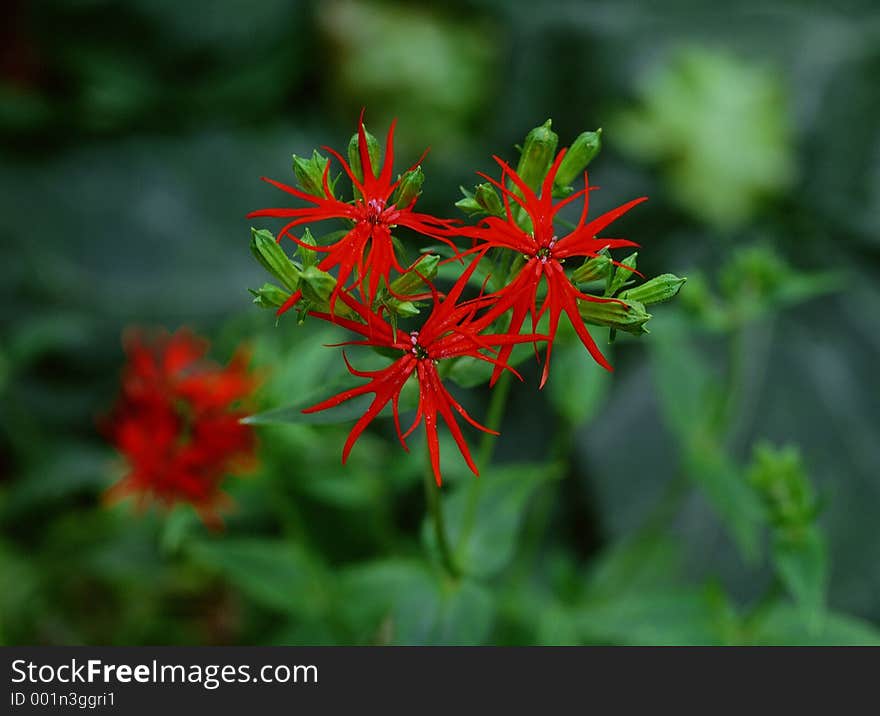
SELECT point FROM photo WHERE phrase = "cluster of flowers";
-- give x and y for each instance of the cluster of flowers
(178, 419)
(518, 246)
(178, 422)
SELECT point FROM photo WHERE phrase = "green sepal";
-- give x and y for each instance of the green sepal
(354, 154)
(468, 204)
(538, 152)
(310, 174)
(623, 315)
(658, 289)
(409, 188)
(488, 200)
(308, 258)
(596, 268)
(317, 287)
(581, 152)
(625, 272)
(269, 296)
(411, 281)
(272, 257)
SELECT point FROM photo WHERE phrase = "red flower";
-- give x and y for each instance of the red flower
(452, 330)
(544, 252)
(367, 247)
(175, 424)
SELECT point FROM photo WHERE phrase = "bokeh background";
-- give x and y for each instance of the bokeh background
(644, 507)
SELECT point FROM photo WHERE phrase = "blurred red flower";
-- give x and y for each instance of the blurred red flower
(177, 422)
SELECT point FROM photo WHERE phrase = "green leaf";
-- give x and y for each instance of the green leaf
(634, 565)
(403, 602)
(721, 128)
(730, 493)
(56, 476)
(484, 516)
(275, 574)
(580, 385)
(686, 384)
(689, 391)
(670, 617)
(464, 615)
(801, 561)
(785, 625)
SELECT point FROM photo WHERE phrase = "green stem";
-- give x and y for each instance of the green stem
(435, 507)
(494, 416)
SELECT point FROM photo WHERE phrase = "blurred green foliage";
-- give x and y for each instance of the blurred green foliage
(722, 128)
(721, 487)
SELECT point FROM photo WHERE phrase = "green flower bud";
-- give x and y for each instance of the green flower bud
(593, 269)
(406, 309)
(624, 273)
(658, 289)
(488, 200)
(410, 282)
(581, 152)
(409, 188)
(310, 174)
(468, 204)
(354, 154)
(629, 316)
(274, 260)
(307, 257)
(537, 155)
(269, 296)
(317, 286)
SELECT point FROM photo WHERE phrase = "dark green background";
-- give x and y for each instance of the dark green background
(133, 135)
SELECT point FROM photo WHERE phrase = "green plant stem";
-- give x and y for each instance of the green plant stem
(435, 507)
(749, 349)
(537, 521)
(494, 416)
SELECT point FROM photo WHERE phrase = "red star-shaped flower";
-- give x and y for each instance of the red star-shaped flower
(544, 251)
(452, 330)
(366, 249)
